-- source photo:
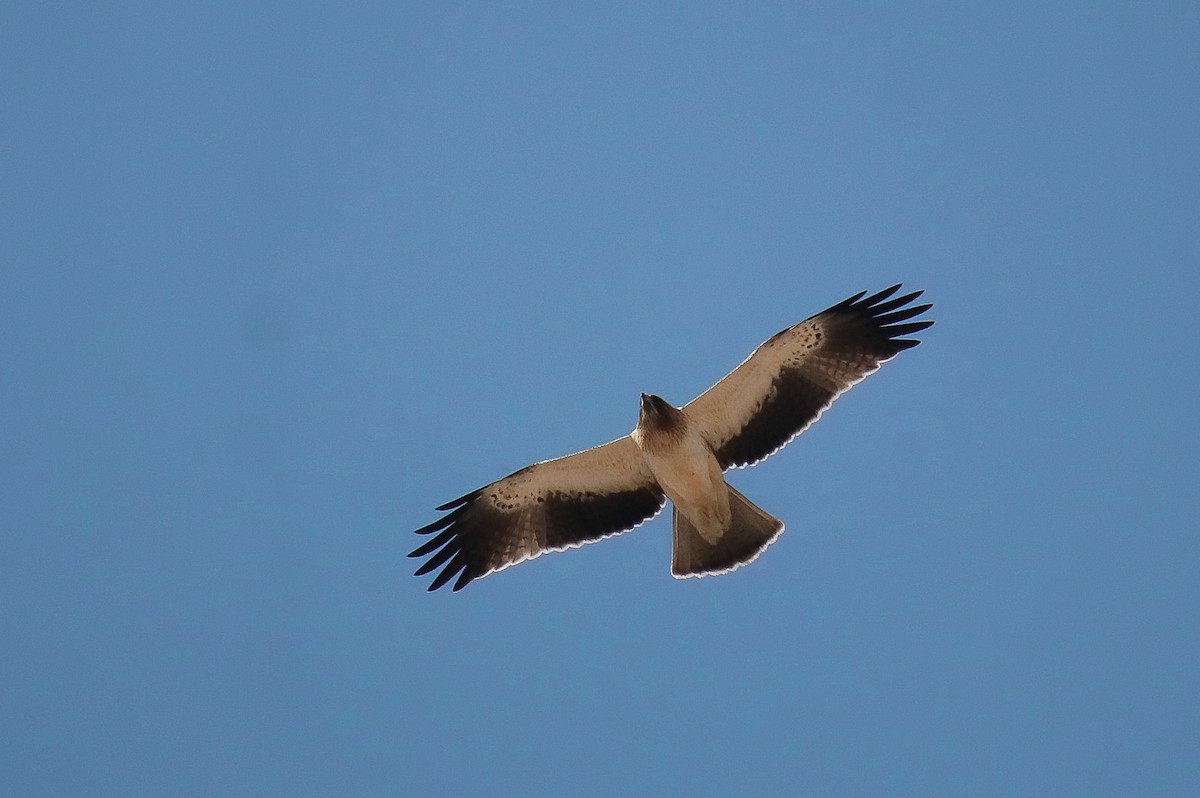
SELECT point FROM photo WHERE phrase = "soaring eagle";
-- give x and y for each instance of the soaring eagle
(679, 454)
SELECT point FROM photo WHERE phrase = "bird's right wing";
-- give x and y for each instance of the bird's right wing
(548, 506)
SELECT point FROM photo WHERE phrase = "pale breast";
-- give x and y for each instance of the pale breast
(689, 474)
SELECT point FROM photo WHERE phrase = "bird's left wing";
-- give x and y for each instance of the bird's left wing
(548, 506)
(790, 379)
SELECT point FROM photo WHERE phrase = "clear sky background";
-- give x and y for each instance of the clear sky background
(278, 280)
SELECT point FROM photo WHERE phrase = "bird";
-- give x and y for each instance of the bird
(680, 454)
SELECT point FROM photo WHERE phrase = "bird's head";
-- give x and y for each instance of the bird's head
(658, 413)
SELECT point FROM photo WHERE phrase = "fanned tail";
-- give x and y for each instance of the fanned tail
(751, 529)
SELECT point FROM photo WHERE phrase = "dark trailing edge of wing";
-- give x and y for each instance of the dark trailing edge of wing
(860, 330)
(476, 537)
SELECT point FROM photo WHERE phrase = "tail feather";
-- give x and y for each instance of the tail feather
(751, 529)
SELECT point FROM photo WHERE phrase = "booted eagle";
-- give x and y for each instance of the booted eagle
(679, 454)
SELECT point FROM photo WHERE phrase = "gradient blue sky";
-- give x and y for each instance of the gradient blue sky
(280, 278)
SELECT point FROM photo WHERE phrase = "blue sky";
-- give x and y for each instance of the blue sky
(278, 280)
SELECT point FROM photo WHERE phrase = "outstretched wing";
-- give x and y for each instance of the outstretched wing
(548, 506)
(788, 381)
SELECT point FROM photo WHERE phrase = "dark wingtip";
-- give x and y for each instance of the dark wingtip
(429, 546)
(848, 301)
(885, 308)
(888, 321)
(445, 576)
(441, 523)
(466, 497)
(888, 315)
(875, 299)
(910, 328)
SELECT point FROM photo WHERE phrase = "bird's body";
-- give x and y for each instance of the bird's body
(684, 466)
(679, 454)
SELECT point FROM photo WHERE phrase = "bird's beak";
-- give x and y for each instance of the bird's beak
(646, 408)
